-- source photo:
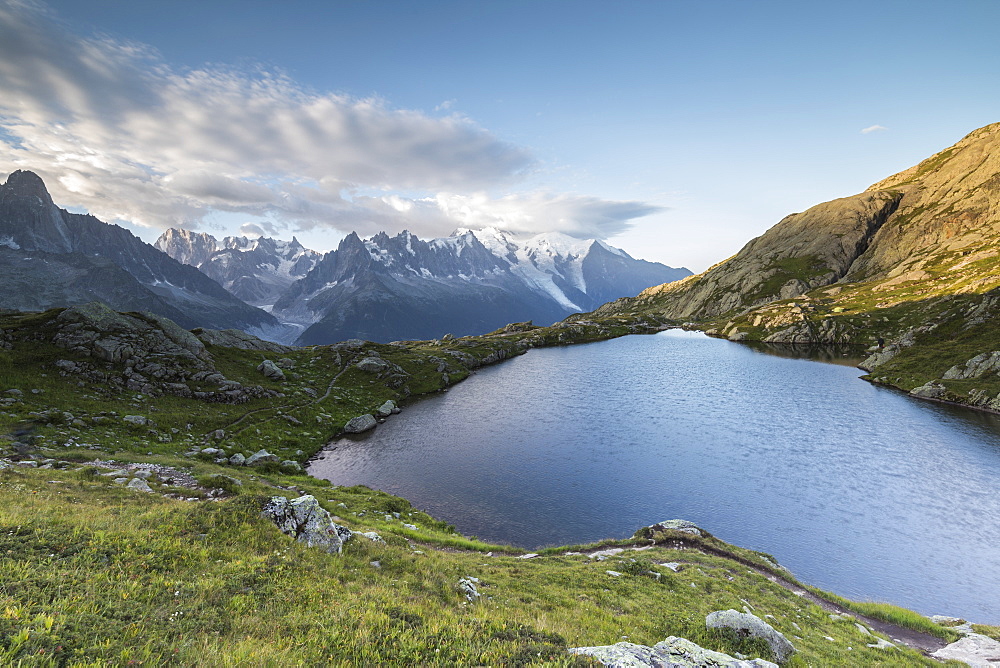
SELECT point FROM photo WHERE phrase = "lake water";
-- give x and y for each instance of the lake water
(857, 489)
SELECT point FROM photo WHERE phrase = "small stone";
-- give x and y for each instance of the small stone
(138, 420)
(614, 574)
(467, 585)
(372, 536)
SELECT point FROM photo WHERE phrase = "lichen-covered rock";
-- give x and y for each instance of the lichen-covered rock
(373, 365)
(974, 649)
(260, 457)
(234, 338)
(657, 531)
(271, 370)
(467, 586)
(980, 365)
(307, 522)
(360, 424)
(238, 459)
(931, 390)
(139, 485)
(673, 652)
(750, 625)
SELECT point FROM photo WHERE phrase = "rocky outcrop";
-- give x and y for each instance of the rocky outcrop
(746, 624)
(974, 650)
(307, 522)
(234, 338)
(673, 652)
(661, 530)
(142, 352)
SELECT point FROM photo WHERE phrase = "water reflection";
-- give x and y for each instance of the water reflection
(856, 488)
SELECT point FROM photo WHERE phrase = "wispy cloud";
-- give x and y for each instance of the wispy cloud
(873, 128)
(114, 129)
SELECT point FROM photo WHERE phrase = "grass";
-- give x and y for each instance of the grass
(95, 574)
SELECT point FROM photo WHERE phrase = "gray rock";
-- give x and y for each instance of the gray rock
(307, 522)
(15, 393)
(286, 363)
(751, 625)
(360, 424)
(673, 525)
(739, 336)
(234, 338)
(137, 420)
(261, 456)
(210, 451)
(144, 474)
(931, 390)
(271, 370)
(974, 649)
(386, 409)
(291, 465)
(373, 365)
(371, 535)
(139, 485)
(673, 652)
(467, 585)
(238, 459)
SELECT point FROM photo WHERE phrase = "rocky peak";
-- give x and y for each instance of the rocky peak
(186, 246)
(23, 183)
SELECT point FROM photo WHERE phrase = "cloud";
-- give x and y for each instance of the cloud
(873, 128)
(259, 229)
(115, 130)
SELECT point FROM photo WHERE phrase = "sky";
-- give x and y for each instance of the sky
(675, 129)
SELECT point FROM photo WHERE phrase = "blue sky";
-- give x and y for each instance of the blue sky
(677, 130)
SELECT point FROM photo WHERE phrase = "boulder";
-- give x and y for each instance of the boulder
(386, 409)
(307, 522)
(261, 456)
(360, 424)
(291, 466)
(974, 649)
(673, 652)
(373, 365)
(139, 485)
(931, 390)
(137, 420)
(238, 459)
(271, 370)
(746, 624)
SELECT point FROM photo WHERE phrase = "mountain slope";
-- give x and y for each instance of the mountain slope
(256, 271)
(913, 261)
(33, 227)
(402, 287)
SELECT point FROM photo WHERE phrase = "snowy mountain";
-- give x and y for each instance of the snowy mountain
(388, 288)
(254, 270)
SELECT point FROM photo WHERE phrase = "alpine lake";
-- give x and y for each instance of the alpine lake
(857, 489)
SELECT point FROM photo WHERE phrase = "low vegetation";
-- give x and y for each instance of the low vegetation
(96, 571)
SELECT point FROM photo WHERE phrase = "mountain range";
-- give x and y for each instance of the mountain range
(389, 288)
(381, 289)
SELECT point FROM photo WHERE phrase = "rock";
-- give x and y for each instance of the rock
(144, 474)
(137, 420)
(271, 370)
(307, 522)
(739, 336)
(974, 649)
(360, 424)
(751, 625)
(945, 620)
(286, 363)
(657, 531)
(372, 536)
(234, 338)
(373, 365)
(139, 485)
(931, 390)
(468, 587)
(614, 574)
(673, 652)
(261, 456)
(980, 365)
(211, 451)
(291, 465)
(238, 459)
(601, 555)
(881, 643)
(15, 393)
(386, 409)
